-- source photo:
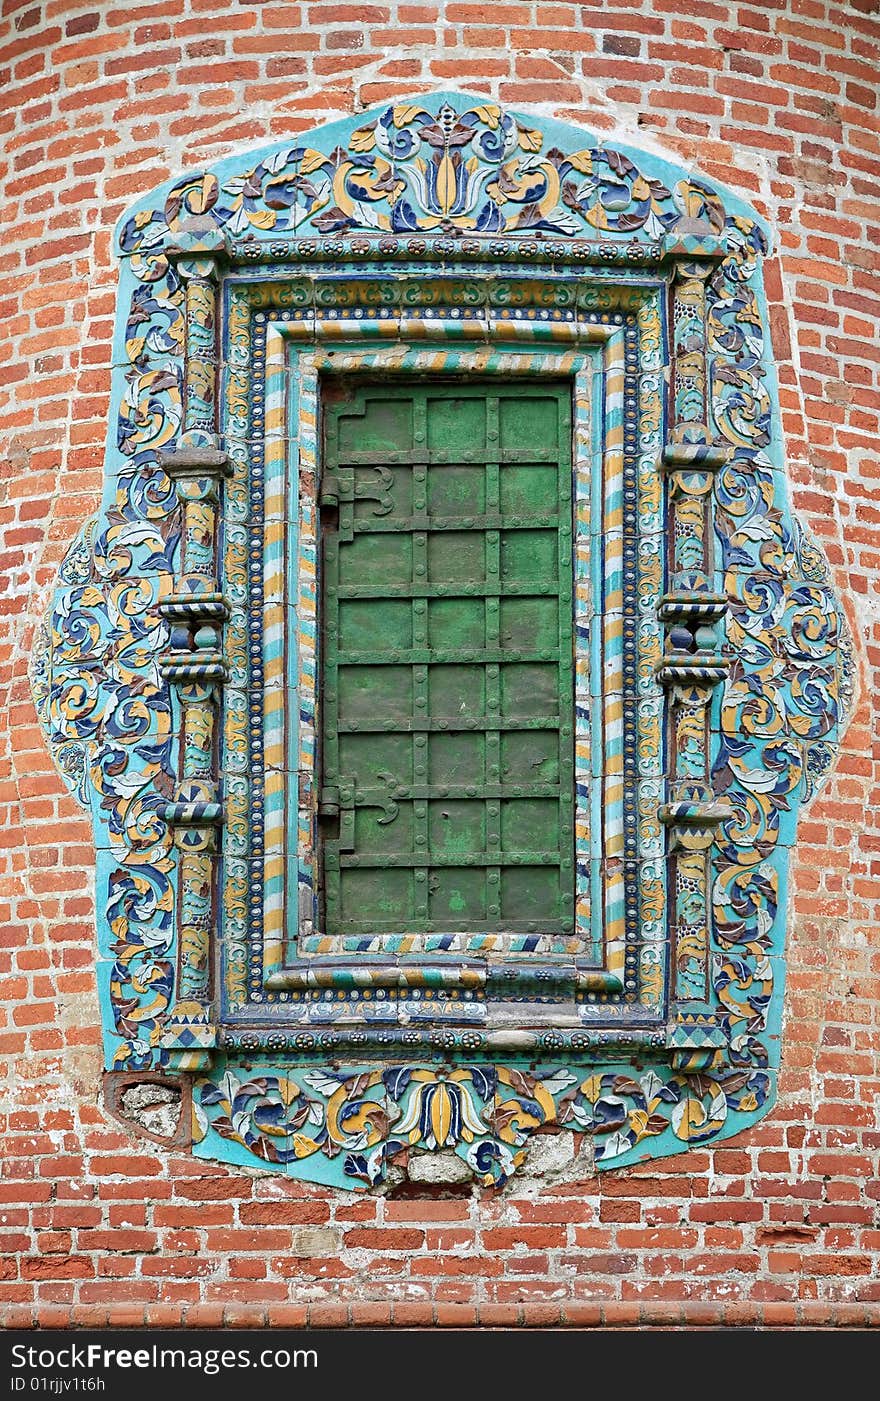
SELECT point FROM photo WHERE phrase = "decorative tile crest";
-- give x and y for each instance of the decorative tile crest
(445, 221)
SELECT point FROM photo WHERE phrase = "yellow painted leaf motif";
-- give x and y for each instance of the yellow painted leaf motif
(201, 194)
(529, 139)
(339, 1100)
(446, 184)
(582, 161)
(303, 1146)
(695, 202)
(441, 1114)
(640, 188)
(364, 139)
(591, 1088)
(490, 115)
(693, 1117)
(638, 1120)
(312, 160)
(404, 114)
(262, 218)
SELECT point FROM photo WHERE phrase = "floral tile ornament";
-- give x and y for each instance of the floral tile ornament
(713, 667)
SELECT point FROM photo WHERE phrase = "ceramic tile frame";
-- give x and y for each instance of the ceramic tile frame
(133, 662)
(596, 491)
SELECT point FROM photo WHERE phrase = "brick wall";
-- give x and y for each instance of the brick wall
(777, 100)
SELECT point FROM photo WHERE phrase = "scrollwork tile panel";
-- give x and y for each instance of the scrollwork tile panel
(347, 1127)
(449, 219)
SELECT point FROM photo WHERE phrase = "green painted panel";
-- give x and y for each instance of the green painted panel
(456, 622)
(377, 560)
(456, 759)
(529, 555)
(447, 669)
(457, 556)
(456, 423)
(530, 423)
(383, 424)
(529, 623)
(527, 489)
(455, 491)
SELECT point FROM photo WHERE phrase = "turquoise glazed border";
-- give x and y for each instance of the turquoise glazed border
(140, 637)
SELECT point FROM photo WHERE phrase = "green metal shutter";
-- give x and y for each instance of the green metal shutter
(447, 692)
